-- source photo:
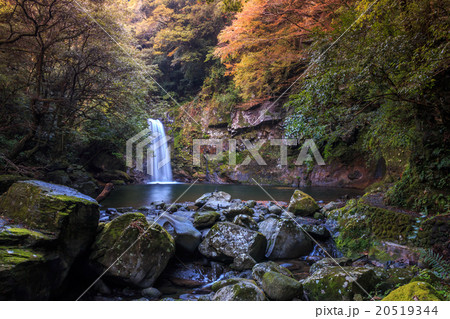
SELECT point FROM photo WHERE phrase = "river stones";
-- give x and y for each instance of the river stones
(330, 262)
(182, 230)
(238, 209)
(276, 281)
(61, 224)
(340, 283)
(214, 201)
(205, 219)
(237, 289)
(145, 259)
(302, 204)
(226, 241)
(285, 239)
(245, 221)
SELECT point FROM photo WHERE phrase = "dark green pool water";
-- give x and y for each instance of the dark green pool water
(142, 195)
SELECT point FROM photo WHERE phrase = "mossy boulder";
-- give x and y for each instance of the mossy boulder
(277, 281)
(302, 204)
(205, 219)
(21, 237)
(7, 180)
(147, 247)
(330, 262)
(238, 289)
(226, 241)
(340, 283)
(391, 278)
(28, 274)
(285, 239)
(414, 291)
(48, 227)
(280, 287)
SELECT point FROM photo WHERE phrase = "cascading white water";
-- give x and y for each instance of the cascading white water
(159, 161)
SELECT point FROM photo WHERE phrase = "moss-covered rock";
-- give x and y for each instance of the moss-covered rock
(26, 274)
(147, 250)
(61, 224)
(302, 204)
(238, 290)
(245, 221)
(227, 241)
(280, 287)
(366, 223)
(414, 291)
(394, 277)
(329, 262)
(7, 180)
(340, 283)
(20, 237)
(205, 219)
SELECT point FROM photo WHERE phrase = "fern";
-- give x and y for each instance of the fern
(437, 263)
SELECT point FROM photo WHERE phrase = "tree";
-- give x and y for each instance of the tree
(267, 42)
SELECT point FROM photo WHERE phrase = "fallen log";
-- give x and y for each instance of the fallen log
(108, 188)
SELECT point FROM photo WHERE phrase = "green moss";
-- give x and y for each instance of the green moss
(418, 290)
(12, 256)
(302, 204)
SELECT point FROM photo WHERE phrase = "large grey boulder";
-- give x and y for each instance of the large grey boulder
(147, 250)
(182, 230)
(229, 242)
(285, 239)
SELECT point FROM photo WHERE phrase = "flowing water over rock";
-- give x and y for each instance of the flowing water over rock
(158, 162)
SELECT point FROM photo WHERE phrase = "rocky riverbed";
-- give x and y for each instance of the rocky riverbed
(55, 242)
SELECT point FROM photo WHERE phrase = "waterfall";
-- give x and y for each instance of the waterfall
(158, 163)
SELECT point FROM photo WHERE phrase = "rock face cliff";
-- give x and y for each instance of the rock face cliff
(260, 122)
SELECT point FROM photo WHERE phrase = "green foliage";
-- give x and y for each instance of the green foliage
(437, 263)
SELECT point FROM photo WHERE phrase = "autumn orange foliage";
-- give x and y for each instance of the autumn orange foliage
(267, 41)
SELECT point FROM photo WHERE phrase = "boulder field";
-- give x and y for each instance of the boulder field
(220, 248)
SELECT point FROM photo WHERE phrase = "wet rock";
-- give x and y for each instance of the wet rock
(414, 291)
(151, 293)
(302, 204)
(182, 230)
(275, 209)
(214, 201)
(277, 281)
(260, 269)
(280, 287)
(340, 283)
(238, 209)
(330, 262)
(392, 278)
(189, 275)
(205, 219)
(317, 231)
(144, 261)
(245, 221)
(226, 241)
(285, 239)
(237, 289)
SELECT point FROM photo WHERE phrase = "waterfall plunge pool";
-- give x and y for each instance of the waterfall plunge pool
(143, 195)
